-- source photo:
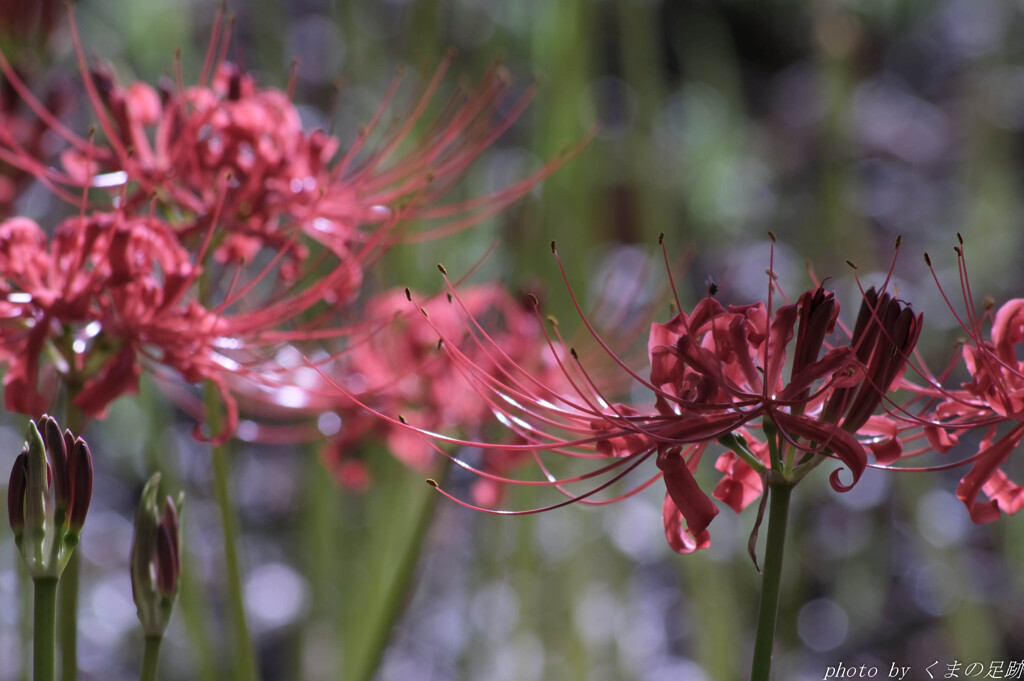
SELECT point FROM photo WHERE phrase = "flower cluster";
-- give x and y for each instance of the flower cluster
(395, 362)
(212, 228)
(772, 392)
(405, 371)
(991, 402)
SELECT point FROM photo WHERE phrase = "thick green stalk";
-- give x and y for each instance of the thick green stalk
(244, 656)
(44, 629)
(67, 594)
(402, 515)
(25, 620)
(771, 578)
(67, 617)
(150, 657)
(194, 610)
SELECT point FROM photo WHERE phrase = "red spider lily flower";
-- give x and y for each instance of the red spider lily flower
(394, 362)
(410, 375)
(992, 400)
(718, 370)
(177, 143)
(716, 376)
(113, 292)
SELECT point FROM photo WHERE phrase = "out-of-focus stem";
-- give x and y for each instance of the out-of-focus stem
(394, 579)
(244, 655)
(67, 617)
(26, 605)
(67, 594)
(44, 629)
(150, 658)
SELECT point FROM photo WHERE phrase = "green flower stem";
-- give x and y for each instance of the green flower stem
(393, 559)
(767, 615)
(67, 594)
(44, 629)
(771, 436)
(25, 603)
(192, 599)
(67, 617)
(150, 657)
(244, 655)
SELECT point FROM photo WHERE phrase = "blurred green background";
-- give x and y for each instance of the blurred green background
(836, 125)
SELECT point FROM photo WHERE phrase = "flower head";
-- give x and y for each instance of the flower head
(179, 143)
(992, 401)
(717, 377)
(393, 360)
(113, 293)
(234, 231)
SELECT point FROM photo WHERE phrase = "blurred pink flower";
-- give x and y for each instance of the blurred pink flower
(178, 143)
(394, 362)
(111, 292)
(992, 401)
(235, 232)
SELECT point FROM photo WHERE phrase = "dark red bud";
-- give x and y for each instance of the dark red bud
(167, 564)
(81, 486)
(16, 493)
(69, 440)
(170, 521)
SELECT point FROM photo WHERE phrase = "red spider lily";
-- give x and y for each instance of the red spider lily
(112, 291)
(404, 371)
(394, 362)
(99, 275)
(178, 143)
(718, 370)
(992, 400)
(716, 377)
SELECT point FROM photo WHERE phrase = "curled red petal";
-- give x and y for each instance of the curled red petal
(940, 439)
(687, 497)
(1008, 328)
(1005, 492)
(681, 540)
(992, 455)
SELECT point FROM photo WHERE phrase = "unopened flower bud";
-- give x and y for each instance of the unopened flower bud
(16, 495)
(48, 498)
(166, 563)
(80, 474)
(37, 494)
(883, 338)
(58, 456)
(155, 559)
